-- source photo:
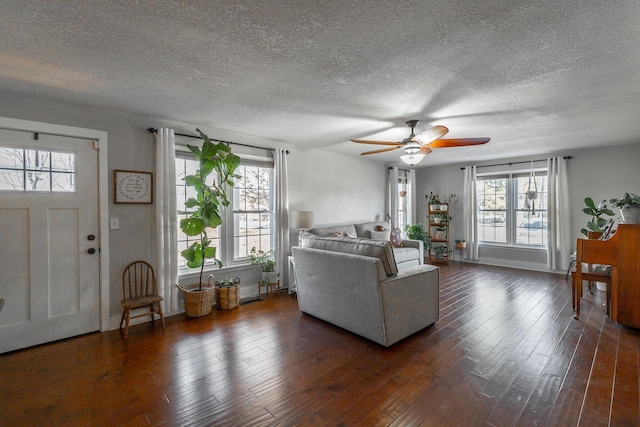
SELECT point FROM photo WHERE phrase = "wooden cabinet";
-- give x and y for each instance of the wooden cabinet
(438, 217)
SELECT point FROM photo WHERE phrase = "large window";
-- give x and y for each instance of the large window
(247, 222)
(506, 216)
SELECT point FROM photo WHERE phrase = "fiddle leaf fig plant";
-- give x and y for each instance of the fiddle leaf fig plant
(204, 209)
(596, 223)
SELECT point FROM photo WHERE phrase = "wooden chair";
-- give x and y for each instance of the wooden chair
(140, 291)
(586, 256)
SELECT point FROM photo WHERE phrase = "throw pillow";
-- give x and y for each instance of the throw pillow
(380, 228)
(396, 238)
(380, 235)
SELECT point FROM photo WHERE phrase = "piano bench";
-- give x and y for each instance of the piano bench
(591, 274)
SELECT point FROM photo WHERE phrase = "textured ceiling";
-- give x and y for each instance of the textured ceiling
(535, 76)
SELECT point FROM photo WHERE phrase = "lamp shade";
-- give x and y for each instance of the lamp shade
(302, 219)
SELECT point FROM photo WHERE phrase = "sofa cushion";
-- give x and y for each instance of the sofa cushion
(405, 254)
(362, 230)
(350, 230)
(380, 235)
(395, 237)
(366, 247)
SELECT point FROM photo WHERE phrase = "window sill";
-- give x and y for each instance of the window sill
(513, 247)
(185, 273)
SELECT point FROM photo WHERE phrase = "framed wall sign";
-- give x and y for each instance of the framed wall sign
(133, 186)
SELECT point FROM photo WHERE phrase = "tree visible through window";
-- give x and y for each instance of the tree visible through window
(248, 220)
(252, 206)
(503, 214)
(23, 169)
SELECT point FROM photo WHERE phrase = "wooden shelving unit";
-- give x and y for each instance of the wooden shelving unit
(439, 232)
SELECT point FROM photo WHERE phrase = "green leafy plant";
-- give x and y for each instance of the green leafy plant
(628, 200)
(265, 259)
(597, 222)
(417, 232)
(204, 209)
(460, 241)
(227, 282)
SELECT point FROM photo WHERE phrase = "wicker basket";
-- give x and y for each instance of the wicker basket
(197, 303)
(227, 297)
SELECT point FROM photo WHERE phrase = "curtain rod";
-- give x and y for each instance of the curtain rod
(516, 163)
(153, 130)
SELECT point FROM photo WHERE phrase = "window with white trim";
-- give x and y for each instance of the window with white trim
(247, 221)
(403, 199)
(506, 216)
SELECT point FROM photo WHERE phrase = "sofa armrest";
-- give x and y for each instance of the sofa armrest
(410, 301)
(418, 244)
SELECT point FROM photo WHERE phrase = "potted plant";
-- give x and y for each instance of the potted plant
(629, 205)
(204, 214)
(596, 223)
(267, 263)
(417, 232)
(228, 293)
(461, 244)
(440, 251)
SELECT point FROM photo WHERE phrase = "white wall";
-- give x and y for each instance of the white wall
(599, 173)
(337, 187)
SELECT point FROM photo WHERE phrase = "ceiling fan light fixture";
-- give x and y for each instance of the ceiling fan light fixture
(412, 148)
(412, 159)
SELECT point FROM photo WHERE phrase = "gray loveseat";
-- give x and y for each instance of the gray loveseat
(356, 284)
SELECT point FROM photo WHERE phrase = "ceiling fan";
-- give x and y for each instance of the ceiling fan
(417, 146)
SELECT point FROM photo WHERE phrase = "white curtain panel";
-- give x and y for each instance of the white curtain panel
(166, 218)
(392, 194)
(282, 212)
(413, 199)
(558, 222)
(470, 212)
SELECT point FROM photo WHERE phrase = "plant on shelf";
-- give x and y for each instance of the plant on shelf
(440, 251)
(597, 222)
(203, 212)
(442, 218)
(417, 232)
(266, 261)
(433, 198)
(629, 205)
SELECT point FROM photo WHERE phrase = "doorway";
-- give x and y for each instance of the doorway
(50, 219)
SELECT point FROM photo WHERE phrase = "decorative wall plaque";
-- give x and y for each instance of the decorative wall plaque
(133, 186)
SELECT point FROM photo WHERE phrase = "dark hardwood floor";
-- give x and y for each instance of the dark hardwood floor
(504, 352)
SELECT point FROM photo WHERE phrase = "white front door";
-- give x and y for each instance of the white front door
(49, 230)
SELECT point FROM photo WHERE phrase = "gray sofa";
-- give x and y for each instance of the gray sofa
(411, 253)
(357, 285)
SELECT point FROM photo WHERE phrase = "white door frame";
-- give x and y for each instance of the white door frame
(103, 194)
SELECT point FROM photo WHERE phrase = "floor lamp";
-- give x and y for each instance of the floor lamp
(302, 220)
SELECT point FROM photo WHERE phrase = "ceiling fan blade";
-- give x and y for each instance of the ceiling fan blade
(425, 150)
(430, 134)
(379, 151)
(457, 142)
(364, 141)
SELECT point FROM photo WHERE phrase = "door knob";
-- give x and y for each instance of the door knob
(91, 237)
(91, 251)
